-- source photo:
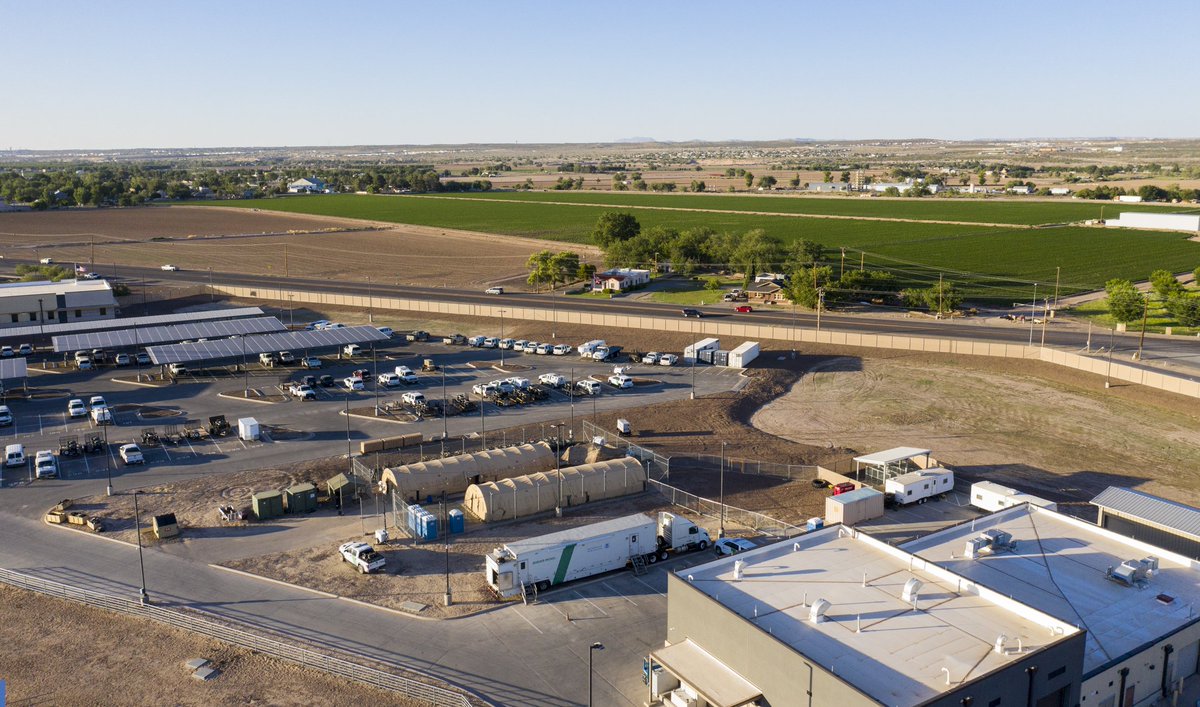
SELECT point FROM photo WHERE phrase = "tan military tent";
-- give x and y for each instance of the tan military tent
(455, 474)
(526, 495)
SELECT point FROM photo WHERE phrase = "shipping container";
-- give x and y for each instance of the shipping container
(301, 498)
(744, 354)
(854, 507)
(267, 504)
(693, 351)
(247, 429)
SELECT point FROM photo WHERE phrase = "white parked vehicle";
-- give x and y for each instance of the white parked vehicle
(406, 374)
(600, 353)
(317, 325)
(562, 350)
(518, 382)
(25, 349)
(170, 268)
(489, 343)
(552, 379)
(303, 391)
(178, 369)
(519, 345)
(7, 352)
(389, 380)
(544, 349)
(503, 386)
(76, 408)
(352, 383)
(651, 357)
(122, 359)
(142, 358)
(351, 350)
(668, 360)
(485, 390)
(476, 341)
(362, 556)
(131, 454)
(6, 417)
(919, 486)
(14, 455)
(531, 347)
(268, 358)
(286, 357)
(311, 362)
(732, 546)
(587, 348)
(588, 387)
(45, 465)
(101, 416)
(413, 398)
(505, 343)
(335, 325)
(620, 381)
(97, 401)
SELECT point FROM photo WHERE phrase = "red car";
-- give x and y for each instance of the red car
(743, 309)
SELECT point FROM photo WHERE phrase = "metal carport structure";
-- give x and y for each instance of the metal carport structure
(162, 334)
(227, 349)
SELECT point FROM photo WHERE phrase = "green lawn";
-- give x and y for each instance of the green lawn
(997, 264)
(1157, 319)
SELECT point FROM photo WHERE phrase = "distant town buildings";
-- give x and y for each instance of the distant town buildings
(306, 185)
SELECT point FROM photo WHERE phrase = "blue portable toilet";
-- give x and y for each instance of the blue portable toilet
(814, 524)
(429, 527)
(458, 522)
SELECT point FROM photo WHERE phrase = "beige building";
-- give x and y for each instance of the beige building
(62, 302)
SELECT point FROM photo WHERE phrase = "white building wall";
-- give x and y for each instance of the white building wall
(1145, 669)
(1163, 222)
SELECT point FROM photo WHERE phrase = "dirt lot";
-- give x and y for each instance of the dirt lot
(245, 241)
(416, 572)
(74, 654)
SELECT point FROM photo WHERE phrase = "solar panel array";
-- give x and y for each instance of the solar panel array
(12, 368)
(127, 322)
(165, 334)
(254, 345)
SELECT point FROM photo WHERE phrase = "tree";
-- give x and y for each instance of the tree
(767, 182)
(939, 298)
(563, 266)
(1125, 303)
(698, 185)
(1164, 284)
(891, 191)
(827, 176)
(585, 272)
(794, 182)
(540, 268)
(712, 283)
(757, 252)
(803, 253)
(806, 283)
(1185, 308)
(845, 178)
(613, 226)
(35, 273)
(749, 179)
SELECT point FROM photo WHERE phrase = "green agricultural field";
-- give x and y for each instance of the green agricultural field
(993, 263)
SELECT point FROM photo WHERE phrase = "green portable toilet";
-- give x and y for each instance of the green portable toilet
(301, 498)
(268, 504)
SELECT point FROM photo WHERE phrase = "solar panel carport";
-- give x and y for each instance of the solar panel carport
(12, 368)
(262, 343)
(128, 322)
(166, 334)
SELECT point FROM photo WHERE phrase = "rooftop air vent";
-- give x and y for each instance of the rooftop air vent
(817, 613)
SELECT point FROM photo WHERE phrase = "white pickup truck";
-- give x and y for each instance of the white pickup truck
(362, 556)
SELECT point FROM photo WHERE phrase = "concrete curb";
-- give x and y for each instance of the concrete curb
(248, 400)
(280, 582)
(141, 384)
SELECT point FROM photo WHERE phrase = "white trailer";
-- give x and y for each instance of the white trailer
(586, 349)
(692, 352)
(743, 355)
(918, 486)
(990, 496)
(541, 562)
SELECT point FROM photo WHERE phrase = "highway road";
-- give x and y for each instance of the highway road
(1177, 354)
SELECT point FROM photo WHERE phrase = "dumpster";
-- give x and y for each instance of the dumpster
(267, 504)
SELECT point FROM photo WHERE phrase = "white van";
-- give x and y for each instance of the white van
(14, 455)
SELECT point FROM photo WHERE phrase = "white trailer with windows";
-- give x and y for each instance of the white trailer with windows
(990, 496)
(692, 352)
(744, 354)
(918, 486)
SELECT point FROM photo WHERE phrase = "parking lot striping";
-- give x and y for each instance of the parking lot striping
(639, 580)
(602, 611)
(164, 449)
(535, 628)
(618, 593)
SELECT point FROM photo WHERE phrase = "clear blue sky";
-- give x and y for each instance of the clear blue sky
(202, 74)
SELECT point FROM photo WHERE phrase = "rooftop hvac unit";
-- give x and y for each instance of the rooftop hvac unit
(991, 542)
(738, 568)
(817, 613)
(1134, 573)
(911, 587)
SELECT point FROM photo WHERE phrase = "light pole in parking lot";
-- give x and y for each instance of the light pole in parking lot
(502, 336)
(445, 425)
(692, 395)
(558, 467)
(482, 423)
(137, 524)
(721, 531)
(375, 365)
(1032, 313)
(245, 370)
(107, 462)
(571, 390)
(591, 650)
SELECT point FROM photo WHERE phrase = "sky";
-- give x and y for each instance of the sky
(123, 74)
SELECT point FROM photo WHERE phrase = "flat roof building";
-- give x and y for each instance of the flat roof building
(1138, 604)
(65, 301)
(1188, 223)
(1141, 516)
(836, 617)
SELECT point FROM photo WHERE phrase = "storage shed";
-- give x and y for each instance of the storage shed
(301, 498)
(165, 526)
(693, 351)
(854, 507)
(743, 355)
(267, 504)
(455, 474)
(526, 495)
(340, 488)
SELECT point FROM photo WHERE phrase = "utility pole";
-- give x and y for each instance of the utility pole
(1045, 316)
(1142, 339)
(939, 312)
(1057, 275)
(1108, 373)
(1032, 313)
(448, 600)
(445, 425)
(820, 306)
(137, 524)
(285, 260)
(842, 270)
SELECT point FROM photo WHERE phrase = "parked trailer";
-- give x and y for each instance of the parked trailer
(917, 486)
(990, 496)
(541, 562)
(588, 348)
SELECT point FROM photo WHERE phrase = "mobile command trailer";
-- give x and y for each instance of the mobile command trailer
(918, 486)
(568, 555)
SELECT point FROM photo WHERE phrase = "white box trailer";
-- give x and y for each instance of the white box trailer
(918, 486)
(544, 561)
(692, 352)
(587, 348)
(743, 355)
(990, 496)
(247, 429)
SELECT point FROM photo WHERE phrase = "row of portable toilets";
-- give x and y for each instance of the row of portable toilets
(423, 525)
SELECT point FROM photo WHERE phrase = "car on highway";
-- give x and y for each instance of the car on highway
(46, 261)
(45, 465)
(562, 350)
(90, 276)
(25, 349)
(692, 313)
(170, 268)
(143, 358)
(651, 357)
(389, 380)
(131, 454)
(588, 387)
(76, 408)
(352, 383)
(743, 309)
(553, 380)
(620, 380)
(731, 546)
(310, 362)
(6, 417)
(122, 359)
(494, 291)
(668, 360)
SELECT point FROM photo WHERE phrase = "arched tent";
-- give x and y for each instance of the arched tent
(526, 495)
(455, 474)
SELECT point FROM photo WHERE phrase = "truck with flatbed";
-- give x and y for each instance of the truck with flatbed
(538, 563)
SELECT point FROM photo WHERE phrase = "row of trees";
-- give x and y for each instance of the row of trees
(549, 268)
(1127, 304)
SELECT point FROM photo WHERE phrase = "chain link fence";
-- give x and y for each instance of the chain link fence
(754, 467)
(287, 650)
(739, 516)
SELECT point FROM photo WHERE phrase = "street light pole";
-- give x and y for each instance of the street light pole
(445, 425)
(1057, 277)
(1045, 316)
(591, 650)
(448, 600)
(502, 337)
(820, 306)
(721, 532)
(137, 523)
(1032, 313)
(558, 468)
(245, 370)
(1142, 339)
(1108, 374)
(692, 395)
(107, 462)
(375, 366)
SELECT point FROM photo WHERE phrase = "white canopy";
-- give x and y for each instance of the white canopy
(891, 456)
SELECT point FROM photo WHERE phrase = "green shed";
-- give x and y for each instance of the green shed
(301, 498)
(341, 489)
(268, 504)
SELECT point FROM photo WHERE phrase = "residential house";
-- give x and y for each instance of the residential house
(768, 292)
(1020, 189)
(1060, 191)
(306, 185)
(776, 277)
(619, 280)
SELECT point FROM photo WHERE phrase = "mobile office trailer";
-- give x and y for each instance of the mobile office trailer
(588, 348)
(693, 351)
(918, 486)
(567, 555)
(990, 496)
